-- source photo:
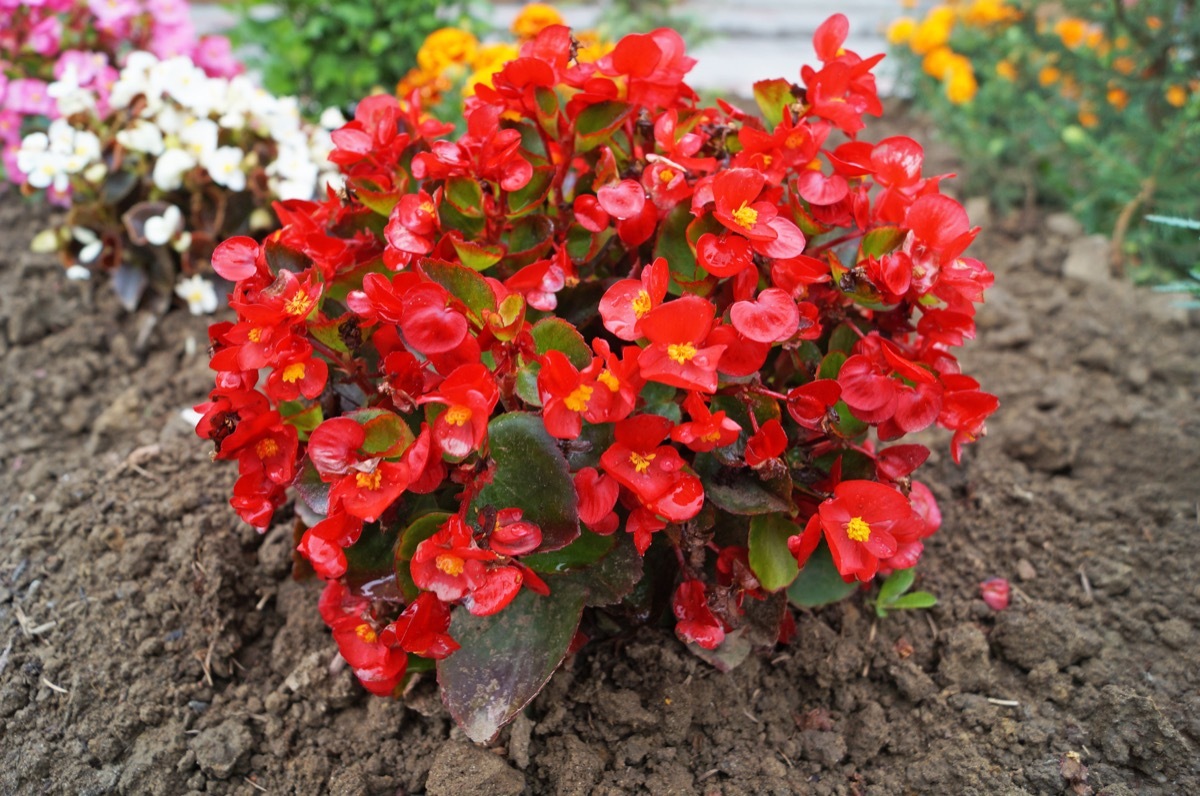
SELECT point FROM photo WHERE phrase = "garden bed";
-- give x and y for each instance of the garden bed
(154, 644)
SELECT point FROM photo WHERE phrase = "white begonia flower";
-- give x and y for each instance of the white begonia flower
(134, 80)
(200, 137)
(142, 136)
(183, 242)
(95, 173)
(78, 273)
(160, 229)
(170, 120)
(62, 136)
(332, 118)
(71, 98)
(199, 294)
(170, 168)
(92, 245)
(34, 147)
(225, 168)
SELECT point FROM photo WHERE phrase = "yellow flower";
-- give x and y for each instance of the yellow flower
(1094, 38)
(1007, 70)
(1118, 98)
(988, 12)
(491, 58)
(1124, 64)
(1177, 96)
(534, 18)
(900, 31)
(934, 30)
(1071, 30)
(1049, 75)
(444, 47)
(591, 47)
(937, 62)
(960, 82)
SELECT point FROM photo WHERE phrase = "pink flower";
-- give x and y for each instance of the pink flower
(111, 13)
(45, 36)
(29, 98)
(214, 54)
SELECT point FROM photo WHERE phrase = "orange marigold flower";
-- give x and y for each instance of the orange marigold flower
(1124, 64)
(1071, 30)
(1118, 98)
(961, 85)
(1049, 75)
(1154, 23)
(937, 62)
(444, 47)
(934, 30)
(989, 12)
(1088, 117)
(534, 18)
(1177, 96)
(1007, 70)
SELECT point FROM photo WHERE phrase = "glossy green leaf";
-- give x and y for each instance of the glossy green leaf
(881, 241)
(532, 194)
(530, 474)
(303, 419)
(672, 243)
(506, 659)
(555, 334)
(311, 488)
(917, 599)
(584, 551)
(773, 564)
(372, 554)
(896, 584)
(819, 582)
(740, 490)
(597, 122)
(465, 195)
(842, 339)
(609, 580)
(773, 97)
(476, 256)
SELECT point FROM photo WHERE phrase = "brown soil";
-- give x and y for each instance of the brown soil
(150, 643)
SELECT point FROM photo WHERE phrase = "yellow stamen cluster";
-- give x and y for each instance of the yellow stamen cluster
(858, 530)
(266, 448)
(370, 481)
(299, 304)
(681, 352)
(578, 399)
(450, 564)
(458, 415)
(366, 633)
(293, 372)
(641, 463)
(609, 380)
(745, 216)
(642, 304)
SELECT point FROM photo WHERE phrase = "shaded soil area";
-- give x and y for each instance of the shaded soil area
(151, 644)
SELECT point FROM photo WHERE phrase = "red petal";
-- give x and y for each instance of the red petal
(622, 200)
(727, 255)
(830, 36)
(236, 259)
(687, 319)
(772, 318)
(500, 586)
(897, 161)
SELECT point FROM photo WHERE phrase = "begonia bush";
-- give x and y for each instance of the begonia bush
(609, 350)
(67, 51)
(171, 163)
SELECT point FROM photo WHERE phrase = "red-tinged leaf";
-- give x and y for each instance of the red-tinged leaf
(773, 317)
(465, 196)
(555, 334)
(547, 109)
(532, 192)
(505, 660)
(772, 562)
(741, 491)
(622, 200)
(387, 435)
(235, 259)
(597, 122)
(881, 241)
(464, 283)
(476, 256)
(773, 97)
(530, 474)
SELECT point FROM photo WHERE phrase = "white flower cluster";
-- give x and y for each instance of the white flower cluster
(50, 158)
(180, 125)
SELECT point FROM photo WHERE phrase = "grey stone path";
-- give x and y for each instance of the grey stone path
(753, 39)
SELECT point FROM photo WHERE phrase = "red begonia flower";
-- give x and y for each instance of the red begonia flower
(470, 394)
(628, 301)
(771, 318)
(809, 404)
(512, 535)
(707, 430)
(863, 522)
(421, 628)
(695, 621)
(769, 442)
(676, 355)
(598, 495)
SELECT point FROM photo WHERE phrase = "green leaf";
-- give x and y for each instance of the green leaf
(739, 490)
(881, 241)
(328, 332)
(532, 194)
(597, 122)
(476, 256)
(304, 420)
(585, 450)
(819, 582)
(465, 196)
(659, 399)
(584, 551)
(918, 599)
(894, 585)
(843, 340)
(506, 659)
(528, 240)
(773, 97)
(464, 284)
(531, 474)
(555, 334)
(372, 554)
(772, 562)
(311, 488)
(831, 365)
(610, 580)
(547, 109)
(672, 243)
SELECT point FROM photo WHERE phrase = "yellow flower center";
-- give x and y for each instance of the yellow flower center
(858, 530)
(577, 400)
(450, 564)
(642, 303)
(608, 380)
(369, 481)
(681, 352)
(666, 175)
(745, 216)
(266, 448)
(457, 415)
(298, 304)
(766, 160)
(293, 372)
(795, 140)
(255, 335)
(711, 436)
(428, 207)
(366, 633)
(641, 463)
